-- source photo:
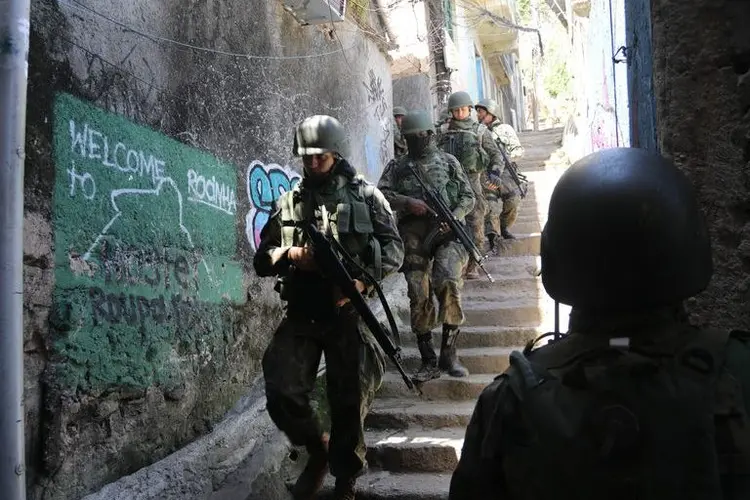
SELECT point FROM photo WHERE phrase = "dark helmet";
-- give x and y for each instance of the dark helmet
(320, 134)
(459, 100)
(624, 232)
(491, 107)
(399, 111)
(417, 121)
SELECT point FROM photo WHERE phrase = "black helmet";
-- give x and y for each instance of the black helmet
(624, 232)
(415, 122)
(320, 134)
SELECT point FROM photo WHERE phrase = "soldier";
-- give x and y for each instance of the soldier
(399, 145)
(430, 268)
(634, 402)
(472, 144)
(502, 204)
(317, 318)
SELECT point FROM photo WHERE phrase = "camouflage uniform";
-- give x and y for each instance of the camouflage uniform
(435, 270)
(474, 147)
(362, 221)
(502, 206)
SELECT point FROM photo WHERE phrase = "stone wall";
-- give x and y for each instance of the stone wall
(701, 68)
(158, 137)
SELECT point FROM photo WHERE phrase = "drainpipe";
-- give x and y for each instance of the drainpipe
(14, 52)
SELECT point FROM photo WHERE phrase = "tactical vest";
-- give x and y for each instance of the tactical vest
(348, 209)
(655, 419)
(437, 170)
(464, 145)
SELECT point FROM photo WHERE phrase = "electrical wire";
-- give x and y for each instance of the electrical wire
(158, 38)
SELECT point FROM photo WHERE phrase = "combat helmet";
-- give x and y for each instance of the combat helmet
(624, 232)
(320, 134)
(417, 121)
(399, 111)
(459, 100)
(491, 106)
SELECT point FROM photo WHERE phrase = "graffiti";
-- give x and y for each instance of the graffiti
(265, 184)
(376, 94)
(91, 144)
(85, 182)
(142, 223)
(211, 192)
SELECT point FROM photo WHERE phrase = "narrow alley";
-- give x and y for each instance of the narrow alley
(414, 443)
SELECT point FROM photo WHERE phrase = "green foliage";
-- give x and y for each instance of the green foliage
(557, 79)
(524, 10)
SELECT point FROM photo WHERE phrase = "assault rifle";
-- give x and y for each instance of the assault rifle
(442, 212)
(521, 180)
(331, 266)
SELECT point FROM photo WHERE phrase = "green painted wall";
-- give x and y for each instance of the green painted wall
(145, 244)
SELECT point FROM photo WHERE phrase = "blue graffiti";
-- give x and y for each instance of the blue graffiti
(265, 184)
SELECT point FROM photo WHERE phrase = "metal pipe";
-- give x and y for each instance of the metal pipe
(14, 52)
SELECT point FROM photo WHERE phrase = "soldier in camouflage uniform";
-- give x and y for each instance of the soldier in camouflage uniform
(503, 204)
(399, 144)
(634, 401)
(318, 319)
(473, 145)
(431, 265)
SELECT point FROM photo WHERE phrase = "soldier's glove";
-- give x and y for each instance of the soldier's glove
(493, 181)
(302, 257)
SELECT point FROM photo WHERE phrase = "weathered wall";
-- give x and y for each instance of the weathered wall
(413, 92)
(602, 117)
(640, 74)
(701, 69)
(151, 167)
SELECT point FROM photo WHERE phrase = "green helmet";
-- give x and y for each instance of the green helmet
(417, 121)
(459, 100)
(320, 134)
(491, 107)
(624, 232)
(399, 111)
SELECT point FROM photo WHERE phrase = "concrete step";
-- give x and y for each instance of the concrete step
(528, 288)
(524, 244)
(481, 336)
(416, 449)
(401, 414)
(443, 388)
(518, 282)
(526, 227)
(475, 359)
(384, 485)
(522, 312)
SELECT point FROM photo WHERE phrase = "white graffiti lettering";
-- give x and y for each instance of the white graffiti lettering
(89, 143)
(211, 192)
(84, 181)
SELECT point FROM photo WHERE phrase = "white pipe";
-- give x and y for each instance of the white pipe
(14, 55)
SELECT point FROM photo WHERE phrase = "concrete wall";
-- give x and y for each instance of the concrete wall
(701, 68)
(640, 75)
(150, 169)
(413, 92)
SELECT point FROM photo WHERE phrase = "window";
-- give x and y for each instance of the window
(480, 78)
(449, 14)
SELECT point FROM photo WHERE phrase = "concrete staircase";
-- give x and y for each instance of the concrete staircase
(414, 442)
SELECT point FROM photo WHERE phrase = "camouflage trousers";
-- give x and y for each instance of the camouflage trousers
(501, 213)
(438, 273)
(355, 365)
(475, 219)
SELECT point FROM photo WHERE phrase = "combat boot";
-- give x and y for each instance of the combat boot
(429, 369)
(344, 489)
(506, 234)
(448, 358)
(492, 240)
(471, 271)
(311, 480)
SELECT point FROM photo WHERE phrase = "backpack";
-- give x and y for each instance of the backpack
(625, 419)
